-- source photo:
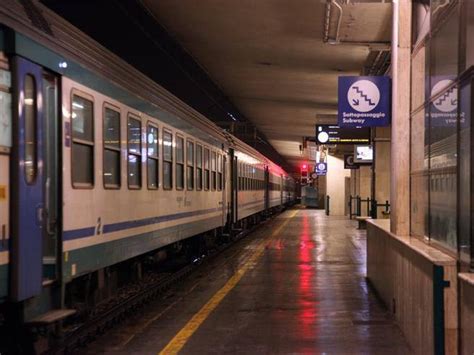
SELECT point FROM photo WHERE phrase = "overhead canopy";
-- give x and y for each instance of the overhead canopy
(271, 59)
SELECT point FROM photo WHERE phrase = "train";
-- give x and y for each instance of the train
(101, 167)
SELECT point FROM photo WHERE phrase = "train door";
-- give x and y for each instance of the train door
(34, 180)
(234, 186)
(223, 167)
(267, 188)
(281, 189)
(51, 175)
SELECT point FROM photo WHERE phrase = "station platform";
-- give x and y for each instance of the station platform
(295, 286)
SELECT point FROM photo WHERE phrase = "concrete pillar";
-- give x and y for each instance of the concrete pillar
(382, 165)
(335, 185)
(400, 141)
(365, 181)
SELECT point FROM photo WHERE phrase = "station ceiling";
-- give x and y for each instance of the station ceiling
(274, 58)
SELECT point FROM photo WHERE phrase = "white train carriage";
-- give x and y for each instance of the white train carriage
(4, 215)
(275, 186)
(288, 190)
(106, 166)
(5, 148)
(131, 182)
(250, 182)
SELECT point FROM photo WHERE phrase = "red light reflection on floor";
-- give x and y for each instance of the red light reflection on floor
(306, 297)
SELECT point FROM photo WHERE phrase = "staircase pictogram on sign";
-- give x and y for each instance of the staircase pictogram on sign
(363, 96)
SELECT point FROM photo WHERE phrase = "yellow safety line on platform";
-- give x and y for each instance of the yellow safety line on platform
(180, 339)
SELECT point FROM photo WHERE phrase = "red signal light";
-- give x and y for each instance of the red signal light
(305, 166)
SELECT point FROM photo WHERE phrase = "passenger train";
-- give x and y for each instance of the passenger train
(99, 166)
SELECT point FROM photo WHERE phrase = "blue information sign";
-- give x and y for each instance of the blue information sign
(364, 101)
(321, 168)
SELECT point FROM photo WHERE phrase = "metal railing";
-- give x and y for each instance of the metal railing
(326, 205)
(371, 207)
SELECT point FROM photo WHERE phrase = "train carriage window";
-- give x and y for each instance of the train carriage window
(152, 162)
(247, 179)
(134, 131)
(253, 177)
(213, 170)
(167, 160)
(198, 167)
(250, 176)
(112, 161)
(240, 177)
(259, 180)
(206, 169)
(252, 170)
(31, 144)
(190, 165)
(82, 142)
(179, 163)
(219, 172)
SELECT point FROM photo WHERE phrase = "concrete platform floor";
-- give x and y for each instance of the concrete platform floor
(295, 286)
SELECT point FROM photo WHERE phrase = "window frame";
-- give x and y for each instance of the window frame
(193, 166)
(246, 175)
(107, 105)
(220, 173)
(133, 116)
(213, 170)
(239, 176)
(89, 97)
(34, 128)
(182, 164)
(150, 123)
(201, 172)
(164, 131)
(207, 182)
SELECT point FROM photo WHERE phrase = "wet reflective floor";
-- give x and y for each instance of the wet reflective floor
(295, 286)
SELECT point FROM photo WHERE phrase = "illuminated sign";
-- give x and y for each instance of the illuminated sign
(363, 154)
(333, 134)
(321, 168)
(349, 162)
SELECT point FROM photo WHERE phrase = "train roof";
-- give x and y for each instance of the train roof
(63, 48)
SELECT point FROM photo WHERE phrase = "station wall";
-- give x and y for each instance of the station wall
(409, 266)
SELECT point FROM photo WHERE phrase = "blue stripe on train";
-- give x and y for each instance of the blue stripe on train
(115, 227)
